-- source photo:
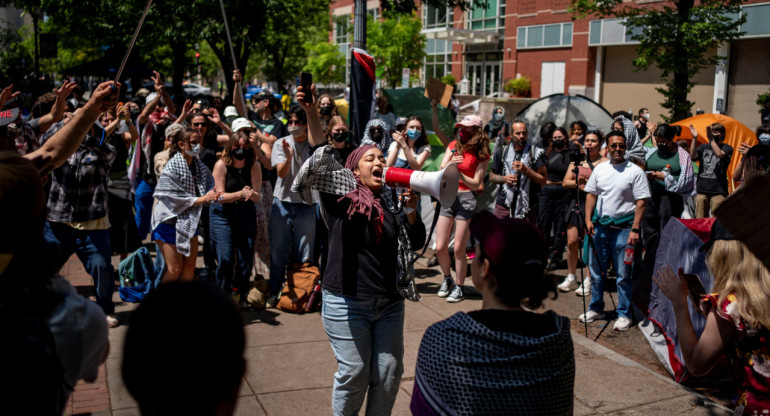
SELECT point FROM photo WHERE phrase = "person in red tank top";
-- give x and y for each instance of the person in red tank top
(470, 152)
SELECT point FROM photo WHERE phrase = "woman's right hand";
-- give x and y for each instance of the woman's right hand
(582, 180)
(245, 193)
(743, 148)
(399, 138)
(237, 75)
(672, 285)
(456, 160)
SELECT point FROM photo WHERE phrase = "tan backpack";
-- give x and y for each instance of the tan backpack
(300, 281)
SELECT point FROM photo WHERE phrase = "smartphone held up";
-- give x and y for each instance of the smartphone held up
(306, 81)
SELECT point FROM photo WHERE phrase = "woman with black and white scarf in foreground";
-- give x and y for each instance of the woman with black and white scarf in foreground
(183, 187)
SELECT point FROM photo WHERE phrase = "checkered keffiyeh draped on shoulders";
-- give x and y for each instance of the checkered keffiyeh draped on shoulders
(321, 173)
(501, 373)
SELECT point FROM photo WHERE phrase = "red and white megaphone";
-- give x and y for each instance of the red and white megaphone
(442, 184)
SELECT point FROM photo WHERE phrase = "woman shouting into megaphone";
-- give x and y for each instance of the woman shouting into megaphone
(367, 274)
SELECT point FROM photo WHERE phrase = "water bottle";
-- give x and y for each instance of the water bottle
(628, 258)
(128, 281)
(315, 297)
(667, 170)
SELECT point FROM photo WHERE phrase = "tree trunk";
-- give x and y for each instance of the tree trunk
(681, 106)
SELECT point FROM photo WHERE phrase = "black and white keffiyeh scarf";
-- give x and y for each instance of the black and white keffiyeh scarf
(321, 173)
(384, 144)
(527, 157)
(177, 191)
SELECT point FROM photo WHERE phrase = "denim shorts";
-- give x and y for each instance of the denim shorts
(463, 208)
(166, 233)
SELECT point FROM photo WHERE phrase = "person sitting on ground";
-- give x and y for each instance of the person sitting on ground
(179, 380)
(737, 320)
(504, 359)
(52, 336)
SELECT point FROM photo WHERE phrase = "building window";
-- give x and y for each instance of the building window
(437, 17)
(480, 18)
(438, 61)
(375, 13)
(342, 39)
(611, 32)
(557, 35)
(757, 16)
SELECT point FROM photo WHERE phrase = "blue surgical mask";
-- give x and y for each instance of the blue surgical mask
(413, 133)
(498, 116)
(765, 139)
(195, 149)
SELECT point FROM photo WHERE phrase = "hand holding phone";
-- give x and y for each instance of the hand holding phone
(306, 82)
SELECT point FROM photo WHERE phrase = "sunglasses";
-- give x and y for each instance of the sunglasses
(294, 123)
(617, 146)
(198, 124)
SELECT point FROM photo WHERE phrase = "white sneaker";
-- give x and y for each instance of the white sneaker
(446, 287)
(622, 324)
(590, 316)
(585, 288)
(457, 295)
(569, 284)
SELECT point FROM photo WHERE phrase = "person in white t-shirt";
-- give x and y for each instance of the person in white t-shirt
(615, 202)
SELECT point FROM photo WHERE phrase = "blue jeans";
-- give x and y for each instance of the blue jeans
(367, 336)
(143, 207)
(233, 230)
(610, 244)
(292, 231)
(94, 251)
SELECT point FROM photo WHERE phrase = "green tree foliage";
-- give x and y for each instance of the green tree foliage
(325, 61)
(396, 43)
(678, 37)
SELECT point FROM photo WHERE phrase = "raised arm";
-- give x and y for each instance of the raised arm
(64, 142)
(434, 122)
(694, 143)
(315, 133)
(59, 106)
(237, 96)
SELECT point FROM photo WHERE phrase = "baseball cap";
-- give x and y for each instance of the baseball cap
(509, 243)
(240, 123)
(470, 121)
(173, 129)
(9, 116)
(718, 232)
(230, 111)
(264, 95)
(401, 121)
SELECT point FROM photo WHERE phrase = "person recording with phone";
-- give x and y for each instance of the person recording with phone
(715, 157)
(575, 216)
(737, 318)
(515, 167)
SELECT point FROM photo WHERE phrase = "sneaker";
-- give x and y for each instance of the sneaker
(590, 316)
(443, 291)
(622, 324)
(112, 321)
(457, 295)
(585, 288)
(569, 284)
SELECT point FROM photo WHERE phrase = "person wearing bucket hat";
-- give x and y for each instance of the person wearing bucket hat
(514, 357)
(470, 152)
(737, 314)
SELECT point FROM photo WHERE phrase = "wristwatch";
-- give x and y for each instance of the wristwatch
(635, 230)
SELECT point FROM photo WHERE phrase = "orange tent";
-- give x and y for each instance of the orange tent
(737, 133)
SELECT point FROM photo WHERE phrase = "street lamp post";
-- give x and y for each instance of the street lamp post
(359, 25)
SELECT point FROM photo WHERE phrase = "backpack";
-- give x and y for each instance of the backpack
(300, 281)
(137, 276)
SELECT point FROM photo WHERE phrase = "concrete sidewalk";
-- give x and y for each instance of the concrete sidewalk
(290, 366)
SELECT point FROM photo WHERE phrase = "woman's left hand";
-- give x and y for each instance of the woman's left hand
(672, 285)
(409, 199)
(656, 175)
(399, 138)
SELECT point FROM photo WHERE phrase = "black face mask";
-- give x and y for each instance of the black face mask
(326, 110)
(559, 144)
(135, 114)
(340, 137)
(240, 153)
(663, 147)
(376, 136)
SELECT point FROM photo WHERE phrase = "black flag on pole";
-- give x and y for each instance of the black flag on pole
(361, 91)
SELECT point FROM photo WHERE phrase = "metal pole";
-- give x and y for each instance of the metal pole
(359, 25)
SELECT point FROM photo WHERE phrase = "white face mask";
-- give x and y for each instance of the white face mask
(498, 116)
(295, 131)
(195, 149)
(646, 116)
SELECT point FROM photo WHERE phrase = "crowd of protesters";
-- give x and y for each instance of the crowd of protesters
(267, 185)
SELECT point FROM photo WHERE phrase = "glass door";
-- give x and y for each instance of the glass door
(491, 78)
(475, 76)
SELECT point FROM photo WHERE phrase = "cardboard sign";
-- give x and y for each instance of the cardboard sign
(435, 89)
(744, 214)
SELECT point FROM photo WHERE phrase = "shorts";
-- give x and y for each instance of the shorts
(463, 208)
(166, 233)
